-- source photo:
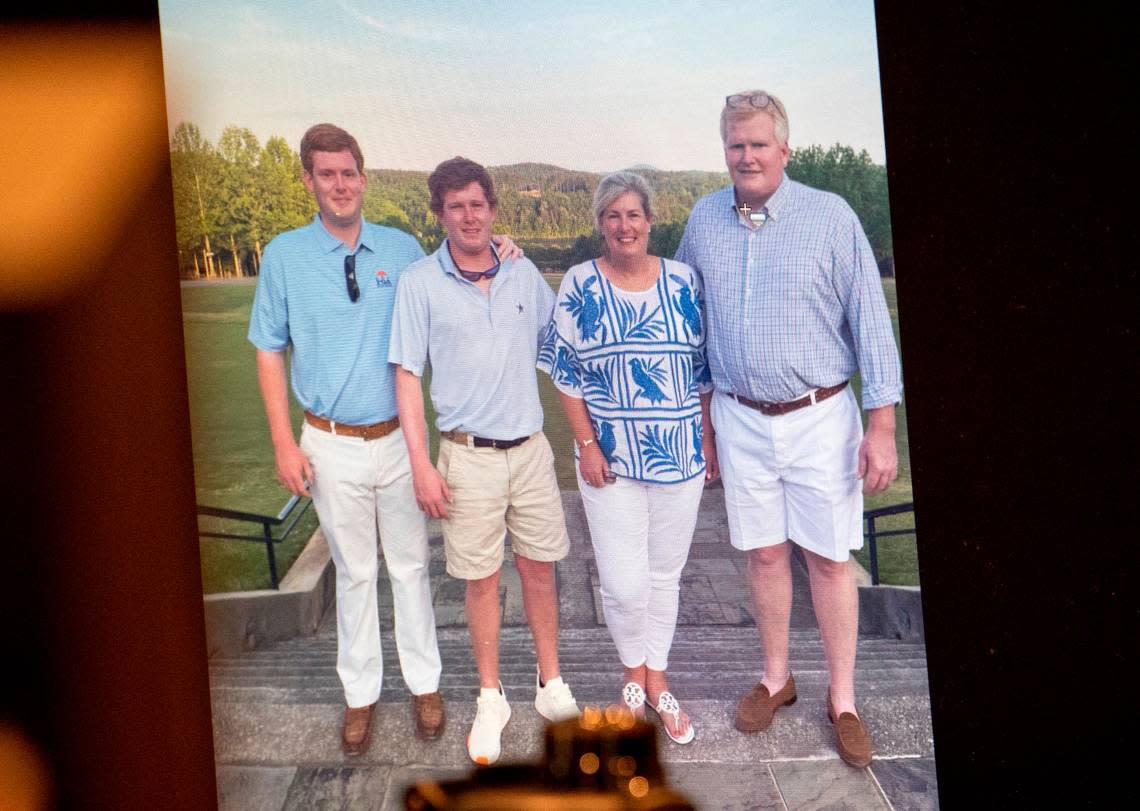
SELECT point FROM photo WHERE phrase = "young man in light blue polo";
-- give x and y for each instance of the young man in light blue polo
(479, 323)
(326, 292)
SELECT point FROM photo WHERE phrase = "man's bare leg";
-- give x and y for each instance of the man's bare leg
(483, 618)
(836, 599)
(540, 602)
(770, 576)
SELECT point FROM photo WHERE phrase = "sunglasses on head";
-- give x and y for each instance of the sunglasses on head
(757, 100)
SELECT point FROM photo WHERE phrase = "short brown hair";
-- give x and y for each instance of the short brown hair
(328, 138)
(455, 174)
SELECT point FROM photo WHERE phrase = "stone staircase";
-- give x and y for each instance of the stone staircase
(277, 710)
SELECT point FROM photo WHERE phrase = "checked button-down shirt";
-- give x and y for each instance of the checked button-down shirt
(794, 304)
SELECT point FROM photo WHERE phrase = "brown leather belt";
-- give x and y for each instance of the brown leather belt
(482, 442)
(776, 409)
(373, 431)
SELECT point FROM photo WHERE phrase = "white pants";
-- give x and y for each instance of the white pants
(358, 487)
(641, 534)
(792, 476)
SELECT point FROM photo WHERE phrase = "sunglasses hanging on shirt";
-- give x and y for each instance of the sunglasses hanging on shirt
(476, 275)
(350, 277)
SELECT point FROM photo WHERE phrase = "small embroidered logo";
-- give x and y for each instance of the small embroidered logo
(520, 307)
(382, 279)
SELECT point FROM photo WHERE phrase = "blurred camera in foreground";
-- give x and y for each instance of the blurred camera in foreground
(606, 759)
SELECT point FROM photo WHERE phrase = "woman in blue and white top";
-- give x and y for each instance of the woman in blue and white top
(626, 350)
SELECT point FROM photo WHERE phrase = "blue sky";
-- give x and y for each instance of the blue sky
(584, 85)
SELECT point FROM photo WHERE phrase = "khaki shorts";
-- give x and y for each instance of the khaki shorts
(494, 492)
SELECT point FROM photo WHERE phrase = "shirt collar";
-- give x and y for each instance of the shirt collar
(448, 264)
(329, 243)
(776, 204)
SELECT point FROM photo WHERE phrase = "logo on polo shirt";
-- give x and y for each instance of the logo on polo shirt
(382, 279)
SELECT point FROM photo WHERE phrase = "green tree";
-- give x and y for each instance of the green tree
(242, 217)
(855, 178)
(664, 238)
(285, 202)
(195, 170)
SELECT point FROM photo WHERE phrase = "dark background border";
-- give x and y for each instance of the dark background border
(1010, 140)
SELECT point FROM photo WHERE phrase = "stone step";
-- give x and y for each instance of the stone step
(680, 654)
(713, 635)
(583, 647)
(307, 733)
(704, 666)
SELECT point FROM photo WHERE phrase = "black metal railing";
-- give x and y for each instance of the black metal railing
(872, 534)
(268, 522)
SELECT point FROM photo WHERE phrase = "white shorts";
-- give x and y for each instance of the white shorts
(792, 476)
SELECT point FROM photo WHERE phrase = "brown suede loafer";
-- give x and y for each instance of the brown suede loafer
(356, 733)
(755, 711)
(851, 737)
(428, 711)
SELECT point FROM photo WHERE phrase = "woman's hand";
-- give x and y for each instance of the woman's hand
(712, 462)
(593, 466)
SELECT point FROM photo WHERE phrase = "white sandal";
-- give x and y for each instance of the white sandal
(666, 703)
(633, 696)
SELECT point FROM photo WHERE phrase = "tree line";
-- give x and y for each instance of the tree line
(232, 197)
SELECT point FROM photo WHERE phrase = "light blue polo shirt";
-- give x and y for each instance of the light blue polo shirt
(482, 349)
(339, 363)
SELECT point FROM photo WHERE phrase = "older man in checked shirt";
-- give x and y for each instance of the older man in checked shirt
(795, 308)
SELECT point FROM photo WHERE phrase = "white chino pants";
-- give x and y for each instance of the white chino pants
(360, 487)
(641, 534)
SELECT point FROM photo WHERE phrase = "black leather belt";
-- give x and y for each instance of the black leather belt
(482, 442)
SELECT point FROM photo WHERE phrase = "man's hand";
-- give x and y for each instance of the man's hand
(593, 466)
(506, 247)
(432, 494)
(293, 468)
(878, 458)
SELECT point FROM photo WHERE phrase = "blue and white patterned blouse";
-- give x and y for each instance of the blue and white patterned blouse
(638, 361)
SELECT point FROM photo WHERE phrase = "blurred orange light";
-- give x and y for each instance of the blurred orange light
(82, 109)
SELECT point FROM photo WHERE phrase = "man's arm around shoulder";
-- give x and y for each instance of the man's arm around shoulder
(293, 468)
(432, 494)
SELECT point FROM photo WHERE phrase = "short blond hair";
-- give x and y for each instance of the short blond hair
(743, 109)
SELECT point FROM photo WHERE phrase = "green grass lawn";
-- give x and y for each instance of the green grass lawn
(233, 457)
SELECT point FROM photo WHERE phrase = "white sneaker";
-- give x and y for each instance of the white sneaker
(554, 702)
(491, 714)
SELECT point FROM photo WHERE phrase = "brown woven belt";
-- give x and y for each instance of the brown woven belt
(776, 409)
(373, 431)
(482, 442)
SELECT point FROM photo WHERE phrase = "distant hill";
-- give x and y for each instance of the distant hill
(539, 200)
